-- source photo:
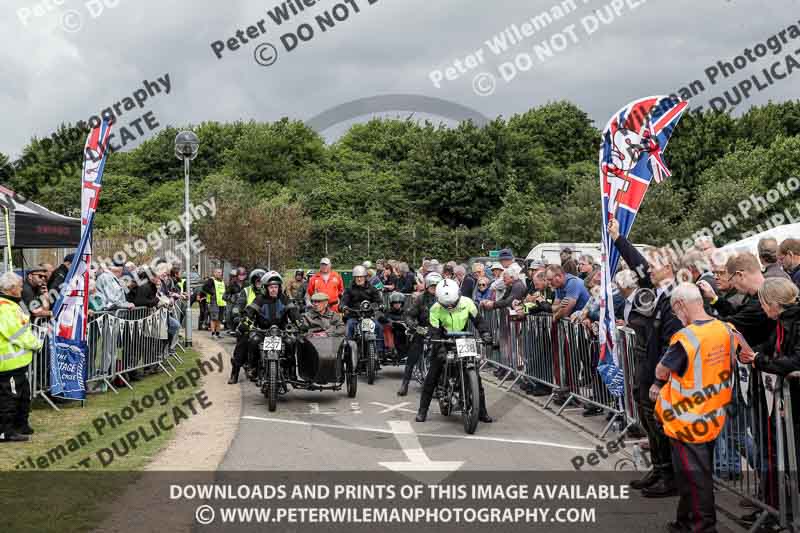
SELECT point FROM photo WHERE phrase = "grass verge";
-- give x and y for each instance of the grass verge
(81, 458)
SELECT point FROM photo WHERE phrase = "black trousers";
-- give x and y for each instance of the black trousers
(660, 452)
(240, 352)
(694, 470)
(15, 400)
(438, 361)
(414, 352)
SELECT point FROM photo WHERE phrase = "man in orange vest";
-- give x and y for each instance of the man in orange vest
(327, 281)
(691, 391)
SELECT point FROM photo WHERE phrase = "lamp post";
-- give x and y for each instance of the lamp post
(269, 255)
(186, 146)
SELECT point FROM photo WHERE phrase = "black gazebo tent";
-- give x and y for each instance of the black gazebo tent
(33, 226)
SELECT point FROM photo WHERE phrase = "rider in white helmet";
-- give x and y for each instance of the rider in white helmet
(451, 313)
(361, 291)
(416, 316)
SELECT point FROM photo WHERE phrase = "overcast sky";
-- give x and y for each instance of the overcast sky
(52, 73)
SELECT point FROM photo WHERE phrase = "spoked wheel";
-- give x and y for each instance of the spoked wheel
(272, 385)
(350, 374)
(469, 411)
(372, 363)
(421, 369)
(444, 396)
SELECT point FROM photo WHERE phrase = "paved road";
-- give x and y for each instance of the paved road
(376, 432)
(329, 431)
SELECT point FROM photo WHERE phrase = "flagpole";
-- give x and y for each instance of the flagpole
(187, 283)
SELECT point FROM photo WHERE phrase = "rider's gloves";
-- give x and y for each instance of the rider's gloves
(245, 325)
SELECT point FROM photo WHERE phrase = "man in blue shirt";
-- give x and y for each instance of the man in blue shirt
(571, 294)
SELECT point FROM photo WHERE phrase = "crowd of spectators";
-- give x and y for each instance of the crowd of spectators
(112, 288)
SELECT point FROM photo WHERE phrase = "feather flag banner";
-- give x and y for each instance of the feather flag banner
(631, 158)
(67, 339)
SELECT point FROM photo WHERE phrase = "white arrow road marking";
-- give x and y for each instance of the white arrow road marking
(388, 407)
(417, 458)
(434, 435)
(355, 408)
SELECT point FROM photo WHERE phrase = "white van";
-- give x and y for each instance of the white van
(750, 244)
(550, 252)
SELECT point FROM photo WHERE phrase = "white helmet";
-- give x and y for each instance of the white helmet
(447, 293)
(359, 271)
(367, 264)
(271, 278)
(432, 278)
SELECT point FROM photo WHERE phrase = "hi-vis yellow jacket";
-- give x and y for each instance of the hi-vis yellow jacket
(692, 407)
(17, 341)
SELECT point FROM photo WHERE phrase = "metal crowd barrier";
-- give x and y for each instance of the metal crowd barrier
(757, 453)
(562, 356)
(580, 355)
(118, 342)
(627, 358)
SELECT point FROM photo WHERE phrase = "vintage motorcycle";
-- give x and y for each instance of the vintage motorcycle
(365, 338)
(313, 362)
(458, 388)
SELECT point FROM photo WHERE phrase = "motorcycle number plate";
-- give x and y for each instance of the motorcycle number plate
(466, 348)
(272, 344)
(367, 325)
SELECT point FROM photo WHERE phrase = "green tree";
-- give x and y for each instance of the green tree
(282, 152)
(453, 173)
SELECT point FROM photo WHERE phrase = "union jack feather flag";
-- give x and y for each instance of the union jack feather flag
(68, 334)
(631, 157)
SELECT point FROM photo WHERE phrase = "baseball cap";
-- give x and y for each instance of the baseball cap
(535, 264)
(496, 266)
(319, 297)
(324, 261)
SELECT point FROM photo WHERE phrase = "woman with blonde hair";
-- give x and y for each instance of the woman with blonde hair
(779, 355)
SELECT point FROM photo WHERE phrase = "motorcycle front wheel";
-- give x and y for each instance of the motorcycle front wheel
(350, 374)
(272, 385)
(372, 362)
(469, 409)
(421, 370)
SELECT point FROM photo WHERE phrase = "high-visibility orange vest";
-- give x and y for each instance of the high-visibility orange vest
(692, 407)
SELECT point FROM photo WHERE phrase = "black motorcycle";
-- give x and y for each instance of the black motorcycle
(365, 338)
(458, 388)
(313, 362)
